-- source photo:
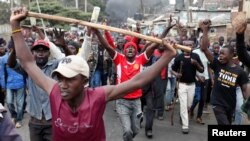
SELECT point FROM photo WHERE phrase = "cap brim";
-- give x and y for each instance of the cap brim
(64, 71)
(36, 46)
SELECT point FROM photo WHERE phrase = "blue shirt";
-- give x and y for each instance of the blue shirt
(39, 99)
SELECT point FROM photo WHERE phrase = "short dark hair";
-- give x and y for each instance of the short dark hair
(230, 48)
(221, 38)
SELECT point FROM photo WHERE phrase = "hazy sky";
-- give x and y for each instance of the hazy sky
(171, 1)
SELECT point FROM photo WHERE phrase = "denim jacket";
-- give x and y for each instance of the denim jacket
(14, 80)
(38, 103)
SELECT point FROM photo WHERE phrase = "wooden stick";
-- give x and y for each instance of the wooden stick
(103, 27)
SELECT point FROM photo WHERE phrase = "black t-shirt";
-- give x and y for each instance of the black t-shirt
(226, 80)
(100, 58)
(188, 70)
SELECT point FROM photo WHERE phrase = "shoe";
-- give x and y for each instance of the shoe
(168, 107)
(205, 112)
(199, 121)
(18, 125)
(185, 130)
(149, 133)
(141, 120)
(160, 118)
(176, 101)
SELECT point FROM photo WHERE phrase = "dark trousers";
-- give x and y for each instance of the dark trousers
(39, 132)
(155, 101)
(202, 95)
(159, 90)
(223, 115)
(150, 112)
(209, 90)
(2, 96)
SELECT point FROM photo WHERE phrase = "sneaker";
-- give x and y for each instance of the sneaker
(185, 130)
(205, 112)
(177, 100)
(141, 120)
(149, 133)
(168, 107)
(199, 121)
(18, 125)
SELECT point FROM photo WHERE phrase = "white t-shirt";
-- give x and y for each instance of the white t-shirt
(204, 61)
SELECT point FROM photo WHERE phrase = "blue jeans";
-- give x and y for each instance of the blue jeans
(197, 95)
(20, 97)
(98, 78)
(239, 102)
(130, 114)
(200, 97)
(170, 90)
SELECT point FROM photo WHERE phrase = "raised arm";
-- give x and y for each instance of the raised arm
(242, 53)
(143, 78)
(104, 43)
(109, 38)
(39, 32)
(205, 41)
(150, 49)
(55, 52)
(60, 41)
(86, 45)
(12, 57)
(24, 54)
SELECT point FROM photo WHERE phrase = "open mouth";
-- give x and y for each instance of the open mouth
(64, 94)
(130, 51)
(221, 60)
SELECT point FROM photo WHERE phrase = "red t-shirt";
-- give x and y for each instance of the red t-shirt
(86, 124)
(127, 70)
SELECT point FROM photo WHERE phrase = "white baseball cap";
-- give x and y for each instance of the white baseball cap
(72, 65)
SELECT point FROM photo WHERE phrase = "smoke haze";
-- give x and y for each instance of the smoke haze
(120, 10)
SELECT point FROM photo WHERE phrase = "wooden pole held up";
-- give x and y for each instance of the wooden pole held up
(103, 27)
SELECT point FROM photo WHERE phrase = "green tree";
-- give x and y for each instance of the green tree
(98, 3)
(5, 13)
(55, 8)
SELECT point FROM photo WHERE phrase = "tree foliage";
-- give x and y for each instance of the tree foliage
(64, 8)
(55, 8)
(98, 3)
(5, 12)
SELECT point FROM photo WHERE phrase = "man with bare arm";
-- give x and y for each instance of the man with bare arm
(77, 111)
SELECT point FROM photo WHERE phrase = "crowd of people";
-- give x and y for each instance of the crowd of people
(69, 78)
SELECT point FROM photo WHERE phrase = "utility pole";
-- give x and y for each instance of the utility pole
(188, 11)
(189, 17)
(85, 6)
(77, 4)
(240, 5)
(142, 9)
(11, 4)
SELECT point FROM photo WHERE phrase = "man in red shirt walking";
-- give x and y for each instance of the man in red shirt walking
(128, 65)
